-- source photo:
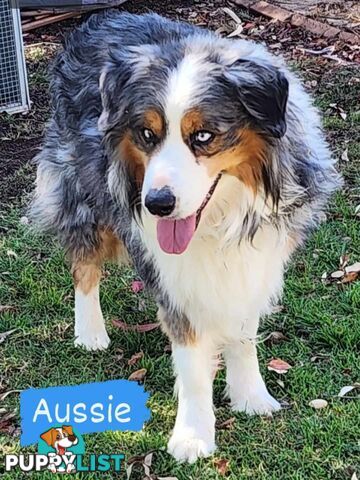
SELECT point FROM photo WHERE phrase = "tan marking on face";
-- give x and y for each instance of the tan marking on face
(135, 158)
(244, 160)
(191, 122)
(154, 121)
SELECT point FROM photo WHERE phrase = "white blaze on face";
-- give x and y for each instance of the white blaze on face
(175, 165)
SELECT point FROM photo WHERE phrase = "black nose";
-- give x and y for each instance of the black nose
(160, 201)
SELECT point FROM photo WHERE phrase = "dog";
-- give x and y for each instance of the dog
(202, 160)
(60, 439)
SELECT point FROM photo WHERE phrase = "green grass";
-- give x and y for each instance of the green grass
(320, 321)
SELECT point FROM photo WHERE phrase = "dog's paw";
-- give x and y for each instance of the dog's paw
(259, 403)
(93, 340)
(188, 449)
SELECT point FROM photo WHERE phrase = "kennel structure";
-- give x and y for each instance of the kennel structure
(14, 93)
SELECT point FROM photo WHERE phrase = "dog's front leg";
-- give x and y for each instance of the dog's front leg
(90, 331)
(194, 432)
(246, 387)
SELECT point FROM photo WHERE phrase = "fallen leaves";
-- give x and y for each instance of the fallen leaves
(6, 394)
(138, 375)
(279, 366)
(137, 286)
(318, 403)
(347, 389)
(239, 27)
(227, 424)
(6, 308)
(145, 462)
(140, 328)
(275, 337)
(4, 335)
(222, 466)
(345, 274)
(135, 358)
(7, 423)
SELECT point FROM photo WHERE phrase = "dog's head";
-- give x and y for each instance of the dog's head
(180, 115)
(60, 438)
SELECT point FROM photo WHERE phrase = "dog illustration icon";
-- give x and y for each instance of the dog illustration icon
(61, 439)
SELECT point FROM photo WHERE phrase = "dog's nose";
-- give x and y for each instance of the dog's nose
(72, 438)
(160, 201)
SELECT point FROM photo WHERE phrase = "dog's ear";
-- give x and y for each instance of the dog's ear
(68, 429)
(123, 69)
(262, 90)
(49, 436)
(111, 84)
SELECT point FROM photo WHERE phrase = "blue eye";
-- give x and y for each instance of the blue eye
(203, 137)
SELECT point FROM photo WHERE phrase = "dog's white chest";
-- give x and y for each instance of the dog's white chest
(222, 288)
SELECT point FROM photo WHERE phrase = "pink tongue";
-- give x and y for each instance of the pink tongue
(175, 235)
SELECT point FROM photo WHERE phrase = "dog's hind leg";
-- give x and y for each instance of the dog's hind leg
(246, 387)
(90, 331)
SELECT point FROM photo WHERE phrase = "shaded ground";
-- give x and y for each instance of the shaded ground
(321, 322)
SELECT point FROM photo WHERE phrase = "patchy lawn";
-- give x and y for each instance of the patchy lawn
(320, 320)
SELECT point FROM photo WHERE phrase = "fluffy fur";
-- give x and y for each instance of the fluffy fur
(142, 105)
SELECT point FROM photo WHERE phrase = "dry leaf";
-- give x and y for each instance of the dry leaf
(232, 15)
(281, 383)
(279, 366)
(343, 115)
(143, 460)
(227, 424)
(9, 392)
(354, 476)
(236, 32)
(4, 335)
(138, 375)
(6, 308)
(135, 358)
(355, 267)
(324, 276)
(222, 466)
(11, 253)
(337, 274)
(349, 277)
(346, 389)
(137, 286)
(357, 210)
(345, 156)
(141, 328)
(318, 403)
(277, 308)
(7, 423)
(344, 260)
(167, 478)
(276, 337)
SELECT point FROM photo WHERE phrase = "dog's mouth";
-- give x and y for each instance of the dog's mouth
(174, 235)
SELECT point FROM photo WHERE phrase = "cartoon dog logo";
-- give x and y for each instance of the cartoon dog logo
(60, 439)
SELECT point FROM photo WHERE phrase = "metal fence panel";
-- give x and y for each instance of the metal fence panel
(14, 95)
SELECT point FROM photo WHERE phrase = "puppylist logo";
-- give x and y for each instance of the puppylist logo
(55, 418)
(61, 449)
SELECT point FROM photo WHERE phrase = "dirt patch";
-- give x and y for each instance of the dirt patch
(16, 169)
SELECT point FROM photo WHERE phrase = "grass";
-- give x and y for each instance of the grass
(321, 323)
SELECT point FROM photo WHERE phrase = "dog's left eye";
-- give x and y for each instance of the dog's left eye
(203, 137)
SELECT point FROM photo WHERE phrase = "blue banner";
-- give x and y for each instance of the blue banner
(90, 407)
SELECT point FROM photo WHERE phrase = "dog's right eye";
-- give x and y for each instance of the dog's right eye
(148, 135)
